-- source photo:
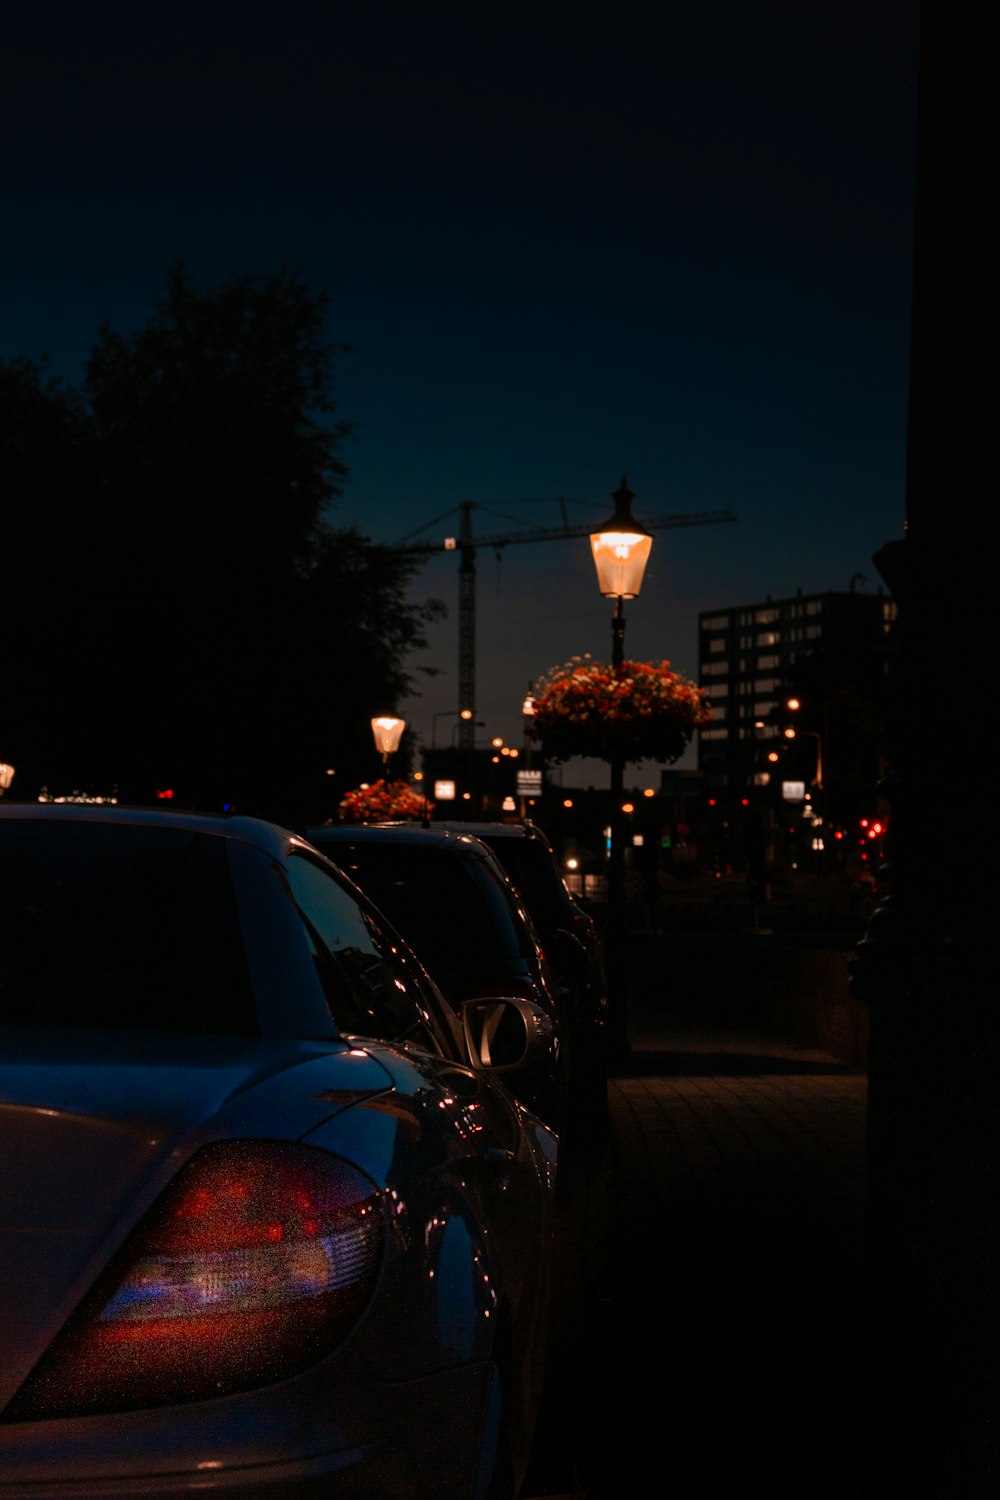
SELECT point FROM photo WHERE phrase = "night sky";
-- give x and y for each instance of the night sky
(562, 243)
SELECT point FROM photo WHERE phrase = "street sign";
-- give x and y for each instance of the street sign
(529, 783)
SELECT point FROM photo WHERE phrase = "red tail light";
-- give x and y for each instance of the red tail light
(258, 1259)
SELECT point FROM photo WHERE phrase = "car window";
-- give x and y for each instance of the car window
(370, 989)
(113, 925)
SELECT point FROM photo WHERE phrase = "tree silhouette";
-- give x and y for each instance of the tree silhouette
(195, 621)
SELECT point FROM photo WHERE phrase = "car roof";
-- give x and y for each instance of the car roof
(524, 830)
(257, 831)
(434, 836)
(440, 831)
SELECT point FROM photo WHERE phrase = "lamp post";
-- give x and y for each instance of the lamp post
(621, 550)
(812, 734)
(527, 714)
(447, 713)
(388, 732)
(791, 732)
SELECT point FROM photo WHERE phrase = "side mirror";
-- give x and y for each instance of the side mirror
(504, 1032)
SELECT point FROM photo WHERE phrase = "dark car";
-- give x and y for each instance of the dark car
(270, 1223)
(451, 899)
(572, 942)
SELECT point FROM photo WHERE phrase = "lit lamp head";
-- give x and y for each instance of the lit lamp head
(6, 776)
(621, 549)
(388, 732)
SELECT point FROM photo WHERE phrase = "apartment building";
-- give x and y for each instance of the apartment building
(752, 656)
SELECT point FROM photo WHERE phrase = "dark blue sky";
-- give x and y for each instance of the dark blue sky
(563, 243)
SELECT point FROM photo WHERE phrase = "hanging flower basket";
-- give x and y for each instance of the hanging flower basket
(380, 801)
(642, 712)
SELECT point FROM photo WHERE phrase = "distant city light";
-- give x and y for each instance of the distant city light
(46, 796)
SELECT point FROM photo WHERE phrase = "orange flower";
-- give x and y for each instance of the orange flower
(643, 711)
(381, 801)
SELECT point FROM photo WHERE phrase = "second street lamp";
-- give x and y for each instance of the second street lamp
(621, 549)
(388, 732)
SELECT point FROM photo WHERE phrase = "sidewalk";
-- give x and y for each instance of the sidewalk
(711, 1337)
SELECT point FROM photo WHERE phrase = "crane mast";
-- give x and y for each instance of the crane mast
(466, 544)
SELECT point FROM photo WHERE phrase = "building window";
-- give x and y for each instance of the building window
(766, 616)
(768, 638)
(766, 663)
(715, 622)
(814, 607)
(716, 645)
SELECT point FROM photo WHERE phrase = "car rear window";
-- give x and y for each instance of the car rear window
(536, 875)
(115, 925)
(454, 917)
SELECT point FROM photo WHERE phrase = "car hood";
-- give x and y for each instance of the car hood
(94, 1124)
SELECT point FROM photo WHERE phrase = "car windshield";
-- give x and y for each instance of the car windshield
(120, 925)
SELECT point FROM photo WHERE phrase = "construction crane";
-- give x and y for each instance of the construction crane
(465, 543)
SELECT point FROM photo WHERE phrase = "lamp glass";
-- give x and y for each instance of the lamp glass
(620, 558)
(388, 732)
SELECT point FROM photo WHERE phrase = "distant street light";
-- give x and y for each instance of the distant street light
(621, 549)
(527, 714)
(812, 734)
(447, 713)
(791, 733)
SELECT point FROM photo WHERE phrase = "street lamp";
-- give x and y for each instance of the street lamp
(812, 734)
(447, 713)
(793, 705)
(6, 776)
(621, 549)
(527, 714)
(388, 732)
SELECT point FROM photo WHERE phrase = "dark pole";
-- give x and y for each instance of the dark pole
(929, 965)
(615, 937)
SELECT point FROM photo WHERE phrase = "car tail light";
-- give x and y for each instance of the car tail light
(257, 1260)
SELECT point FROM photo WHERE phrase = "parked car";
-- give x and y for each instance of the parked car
(270, 1223)
(572, 942)
(450, 897)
